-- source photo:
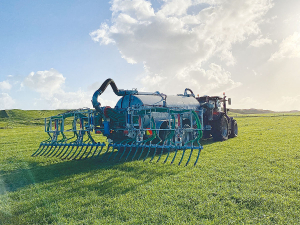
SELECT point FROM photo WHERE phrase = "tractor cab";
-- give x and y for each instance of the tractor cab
(213, 106)
(219, 125)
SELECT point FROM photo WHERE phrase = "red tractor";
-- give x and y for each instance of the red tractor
(216, 121)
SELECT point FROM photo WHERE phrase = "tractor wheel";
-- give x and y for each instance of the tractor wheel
(220, 129)
(206, 134)
(234, 129)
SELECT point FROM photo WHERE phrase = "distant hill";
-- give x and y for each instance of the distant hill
(18, 114)
(258, 111)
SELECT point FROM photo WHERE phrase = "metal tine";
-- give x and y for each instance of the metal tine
(200, 148)
(51, 152)
(58, 144)
(87, 146)
(162, 151)
(62, 144)
(102, 146)
(73, 152)
(47, 146)
(87, 155)
(74, 145)
(65, 145)
(154, 153)
(184, 148)
(51, 146)
(147, 152)
(176, 149)
(108, 147)
(132, 146)
(136, 150)
(189, 156)
(124, 151)
(119, 151)
(168, 153)
(37, 152)
(71, 144)
(141, 152)
(46, 152)
(97, 145)
(41, 144)
(114, 146)
(78, 152)
(43, 149)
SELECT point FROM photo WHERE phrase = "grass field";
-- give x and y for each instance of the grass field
(251, 179)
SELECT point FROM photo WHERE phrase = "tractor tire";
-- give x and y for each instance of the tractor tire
(234, 129)
(206, 134)
(220, 129)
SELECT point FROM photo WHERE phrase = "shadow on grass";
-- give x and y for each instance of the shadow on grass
(35, 173)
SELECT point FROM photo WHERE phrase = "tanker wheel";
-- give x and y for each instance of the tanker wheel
(162, 134)
(220, 129)
(234, 129)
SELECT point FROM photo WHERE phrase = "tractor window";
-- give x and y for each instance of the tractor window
(218, 105)
(212, 103)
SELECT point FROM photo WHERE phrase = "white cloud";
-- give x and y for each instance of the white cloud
(248, 102)
(211, 81)
(289, 48)
(134, 8)
(69, 100)
(6, 102)
(152, 80)
(292, 19)
(5, 85)
(284, 103)
(45, 82)
(176, 7)
(260, 42)
(52, 94)
(289, 103)
(172, 42)
(101, 35)
(220, 78)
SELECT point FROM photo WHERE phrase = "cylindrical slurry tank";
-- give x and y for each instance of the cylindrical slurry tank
(170, 101)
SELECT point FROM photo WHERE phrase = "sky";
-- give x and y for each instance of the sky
(55, 54)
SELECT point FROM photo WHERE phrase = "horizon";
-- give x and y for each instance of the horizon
(268, 111)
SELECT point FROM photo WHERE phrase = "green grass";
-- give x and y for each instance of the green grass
(251, 179)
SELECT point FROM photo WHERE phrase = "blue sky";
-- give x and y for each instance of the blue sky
(39, 35)
(55, 54)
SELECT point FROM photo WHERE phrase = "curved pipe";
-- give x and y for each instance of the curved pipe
(118, 92)
(102, 88)
(112, 84)
(187, 89)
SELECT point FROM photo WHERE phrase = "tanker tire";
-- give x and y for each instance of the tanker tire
(234, 129)
(220, 129)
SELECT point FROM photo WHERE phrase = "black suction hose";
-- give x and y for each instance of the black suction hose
(112, 84)
(118, 92)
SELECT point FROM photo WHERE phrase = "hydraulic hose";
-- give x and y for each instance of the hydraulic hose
(118, 92)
